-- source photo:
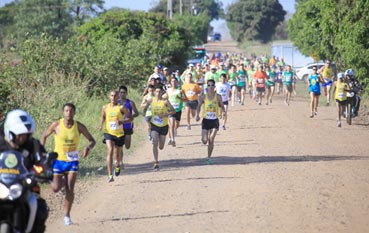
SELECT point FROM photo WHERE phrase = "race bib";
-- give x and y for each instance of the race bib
(72, 155)
(211, 115)
(113, 125)
(288, 78)
(341, 95)
(175, 105)
(158, 120)
(190, 93)
(260, 81)
(327, 80)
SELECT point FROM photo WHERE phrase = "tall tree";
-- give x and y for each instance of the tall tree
(333, 29)
(35, 17)
(254, 19)
(83, 10)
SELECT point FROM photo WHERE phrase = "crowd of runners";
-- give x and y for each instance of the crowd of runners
(204, 91)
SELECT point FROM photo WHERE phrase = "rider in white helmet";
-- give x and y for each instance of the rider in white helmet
(18, 129)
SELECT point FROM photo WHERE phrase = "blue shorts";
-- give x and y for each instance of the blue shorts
(326, 84)
(63, 167)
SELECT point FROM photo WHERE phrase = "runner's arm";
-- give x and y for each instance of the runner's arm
(84, 131)
(102, 118)
(134, 110)
(48, 132)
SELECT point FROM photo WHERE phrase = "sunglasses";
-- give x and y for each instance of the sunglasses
(211, 85)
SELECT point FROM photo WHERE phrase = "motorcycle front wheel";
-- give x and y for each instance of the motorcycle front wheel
(349, 113)
(5, 228)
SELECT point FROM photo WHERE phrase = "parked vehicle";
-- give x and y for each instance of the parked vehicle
(198, 54)
(18, 200)
(304, 73)
(215, 37)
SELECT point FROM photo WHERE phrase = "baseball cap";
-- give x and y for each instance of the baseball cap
(191, 65)
(165, 68)
(213, 67)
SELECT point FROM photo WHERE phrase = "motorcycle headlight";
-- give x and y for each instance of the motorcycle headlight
(4, 191)
(15, 191)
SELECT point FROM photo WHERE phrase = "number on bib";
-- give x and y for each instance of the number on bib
(72, 155)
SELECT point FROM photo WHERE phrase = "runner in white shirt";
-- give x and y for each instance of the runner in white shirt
(223, 89)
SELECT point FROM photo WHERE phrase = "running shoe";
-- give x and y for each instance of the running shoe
(223, 127)
(189, 127)
(170, 142)
(156, 165)
(173, 143)
(338, 123)
(117, 171)
(67, 221)
(315, 113)
(110, 178)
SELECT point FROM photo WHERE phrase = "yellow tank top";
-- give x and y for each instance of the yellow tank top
(158, 107)
(327, 73)
(113, 114)
(340, 91)
(67, 141)
(211, 108)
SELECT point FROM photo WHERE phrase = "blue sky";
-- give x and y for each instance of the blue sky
(144, 5)
(288, 5)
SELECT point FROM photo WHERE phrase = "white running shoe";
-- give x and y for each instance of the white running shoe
(67, 221)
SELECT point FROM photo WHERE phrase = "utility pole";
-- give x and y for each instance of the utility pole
(180, 7)
(170, 9)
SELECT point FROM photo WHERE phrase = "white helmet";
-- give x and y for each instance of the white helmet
(18, 122)
(349, 72)
(340, 75)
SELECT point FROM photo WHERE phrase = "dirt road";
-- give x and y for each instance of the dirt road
(275, 170)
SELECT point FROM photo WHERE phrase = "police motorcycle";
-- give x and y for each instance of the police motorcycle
(353, 97)
(18, 190)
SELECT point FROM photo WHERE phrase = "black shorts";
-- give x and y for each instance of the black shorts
(260, 89)
(192, 104)
(343, 102)
(225, 102)
(210, 124)
(128, 131)
(118, 141)
(239, 88)
(177, 115)
(161, 130)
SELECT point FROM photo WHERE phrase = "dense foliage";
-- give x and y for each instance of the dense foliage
(336, 30)
(254, 19)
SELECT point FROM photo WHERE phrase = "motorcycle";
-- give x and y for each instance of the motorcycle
(353, 101)
(18, 190)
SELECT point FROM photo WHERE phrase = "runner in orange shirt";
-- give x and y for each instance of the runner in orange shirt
(260, 77)
(192, 91)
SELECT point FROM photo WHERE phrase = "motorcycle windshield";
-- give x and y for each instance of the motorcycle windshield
(12, 167)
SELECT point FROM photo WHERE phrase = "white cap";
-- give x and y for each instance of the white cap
(213, 67)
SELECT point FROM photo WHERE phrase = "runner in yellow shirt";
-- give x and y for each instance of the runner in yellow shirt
(160, 109)
(67, 136)
(113, 114)
(210, 122)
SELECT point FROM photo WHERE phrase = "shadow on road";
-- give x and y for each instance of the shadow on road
(174, 164)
